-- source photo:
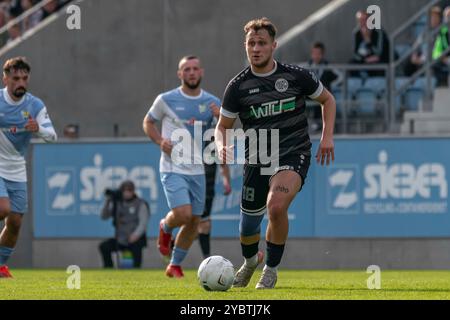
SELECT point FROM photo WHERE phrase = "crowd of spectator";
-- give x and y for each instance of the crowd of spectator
(11, 9)
(366, 89)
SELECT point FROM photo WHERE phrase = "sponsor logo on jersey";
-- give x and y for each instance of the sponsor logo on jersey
(273, 108)
(281, 85)
(253, 91)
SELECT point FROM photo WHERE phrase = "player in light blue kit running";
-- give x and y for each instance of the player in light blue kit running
(184, 184)
(21, 115)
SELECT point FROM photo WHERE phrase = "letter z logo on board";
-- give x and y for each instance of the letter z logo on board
(342, 189)
(60, 191)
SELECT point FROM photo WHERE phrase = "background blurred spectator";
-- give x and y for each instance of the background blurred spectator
(32, 20)
(11, 9)
(369, 46)
(3, 20)
(440, 44)
(318, 59)
(71, 131)
(14, 32)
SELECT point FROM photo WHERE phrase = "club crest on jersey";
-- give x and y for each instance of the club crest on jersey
(201, 108)
(25, 114)
(281, 85)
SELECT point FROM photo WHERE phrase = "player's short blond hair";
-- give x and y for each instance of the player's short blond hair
(261, 23)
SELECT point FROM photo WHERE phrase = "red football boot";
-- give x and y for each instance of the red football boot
(173, 271)
(4, 272)
(164, 241)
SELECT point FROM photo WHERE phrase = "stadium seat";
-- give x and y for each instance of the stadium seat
(353, 84)
(366, 102)
(419, 26)
(377, 84)
(412, 98)
(337, 93)
(421, 83)
(401, 49)
(400, 81)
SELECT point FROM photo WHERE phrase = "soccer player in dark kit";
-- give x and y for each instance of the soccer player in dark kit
(269, 95)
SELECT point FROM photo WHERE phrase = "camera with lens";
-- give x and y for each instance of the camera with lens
(114, 194)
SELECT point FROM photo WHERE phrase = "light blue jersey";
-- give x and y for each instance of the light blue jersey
(14, 139)
(177, 110)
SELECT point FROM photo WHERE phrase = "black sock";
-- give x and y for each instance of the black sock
(250, 250)
(204, 244)
(274, 254)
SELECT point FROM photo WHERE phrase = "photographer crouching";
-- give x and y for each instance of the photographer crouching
(130, 216)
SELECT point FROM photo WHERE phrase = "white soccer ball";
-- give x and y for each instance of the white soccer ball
(216, 274)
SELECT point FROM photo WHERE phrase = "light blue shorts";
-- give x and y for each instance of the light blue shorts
(182, 189)
(17, 194)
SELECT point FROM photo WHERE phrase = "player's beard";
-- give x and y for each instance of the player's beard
(193, 86)
(263, 64)
(20, 92)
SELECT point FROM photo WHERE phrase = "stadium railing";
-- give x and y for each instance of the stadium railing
(414, 83)
(375, 104)
(18, 20)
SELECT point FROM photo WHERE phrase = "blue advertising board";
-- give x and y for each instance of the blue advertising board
(375, 188)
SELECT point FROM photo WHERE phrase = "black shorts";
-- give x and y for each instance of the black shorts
(256, 187)
(210, 175)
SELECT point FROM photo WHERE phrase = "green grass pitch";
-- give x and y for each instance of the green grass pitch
(153, 285)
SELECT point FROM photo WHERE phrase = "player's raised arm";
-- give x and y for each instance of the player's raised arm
(325, 151)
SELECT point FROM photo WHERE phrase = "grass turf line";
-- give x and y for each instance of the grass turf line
(291, 285)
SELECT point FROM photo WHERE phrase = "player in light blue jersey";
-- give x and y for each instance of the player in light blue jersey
(21, 116)
(183, 183)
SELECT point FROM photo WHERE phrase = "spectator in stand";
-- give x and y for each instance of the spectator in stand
(32, 20)
(370, 46)
(440, 44)
(14, 32)
(71, 131)
(318, 59)
(325, 76)
(50, 8)
(3, 21)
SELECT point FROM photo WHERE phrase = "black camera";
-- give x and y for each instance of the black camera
(114, 194)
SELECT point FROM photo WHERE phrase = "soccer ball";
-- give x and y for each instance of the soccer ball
(216, 274)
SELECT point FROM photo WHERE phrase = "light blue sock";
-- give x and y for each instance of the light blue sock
(5, 253)
(178, 256)
(166, 228)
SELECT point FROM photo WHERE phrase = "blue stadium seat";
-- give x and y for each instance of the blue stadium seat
(419, 26)
(421, 83)
(412, 98)
(353, 85)
(337, 93)
(366, 102)
(401, 49)
(377, 84)
(400, 81)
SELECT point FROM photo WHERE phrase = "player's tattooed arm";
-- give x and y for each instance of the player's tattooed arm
(281, 188)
